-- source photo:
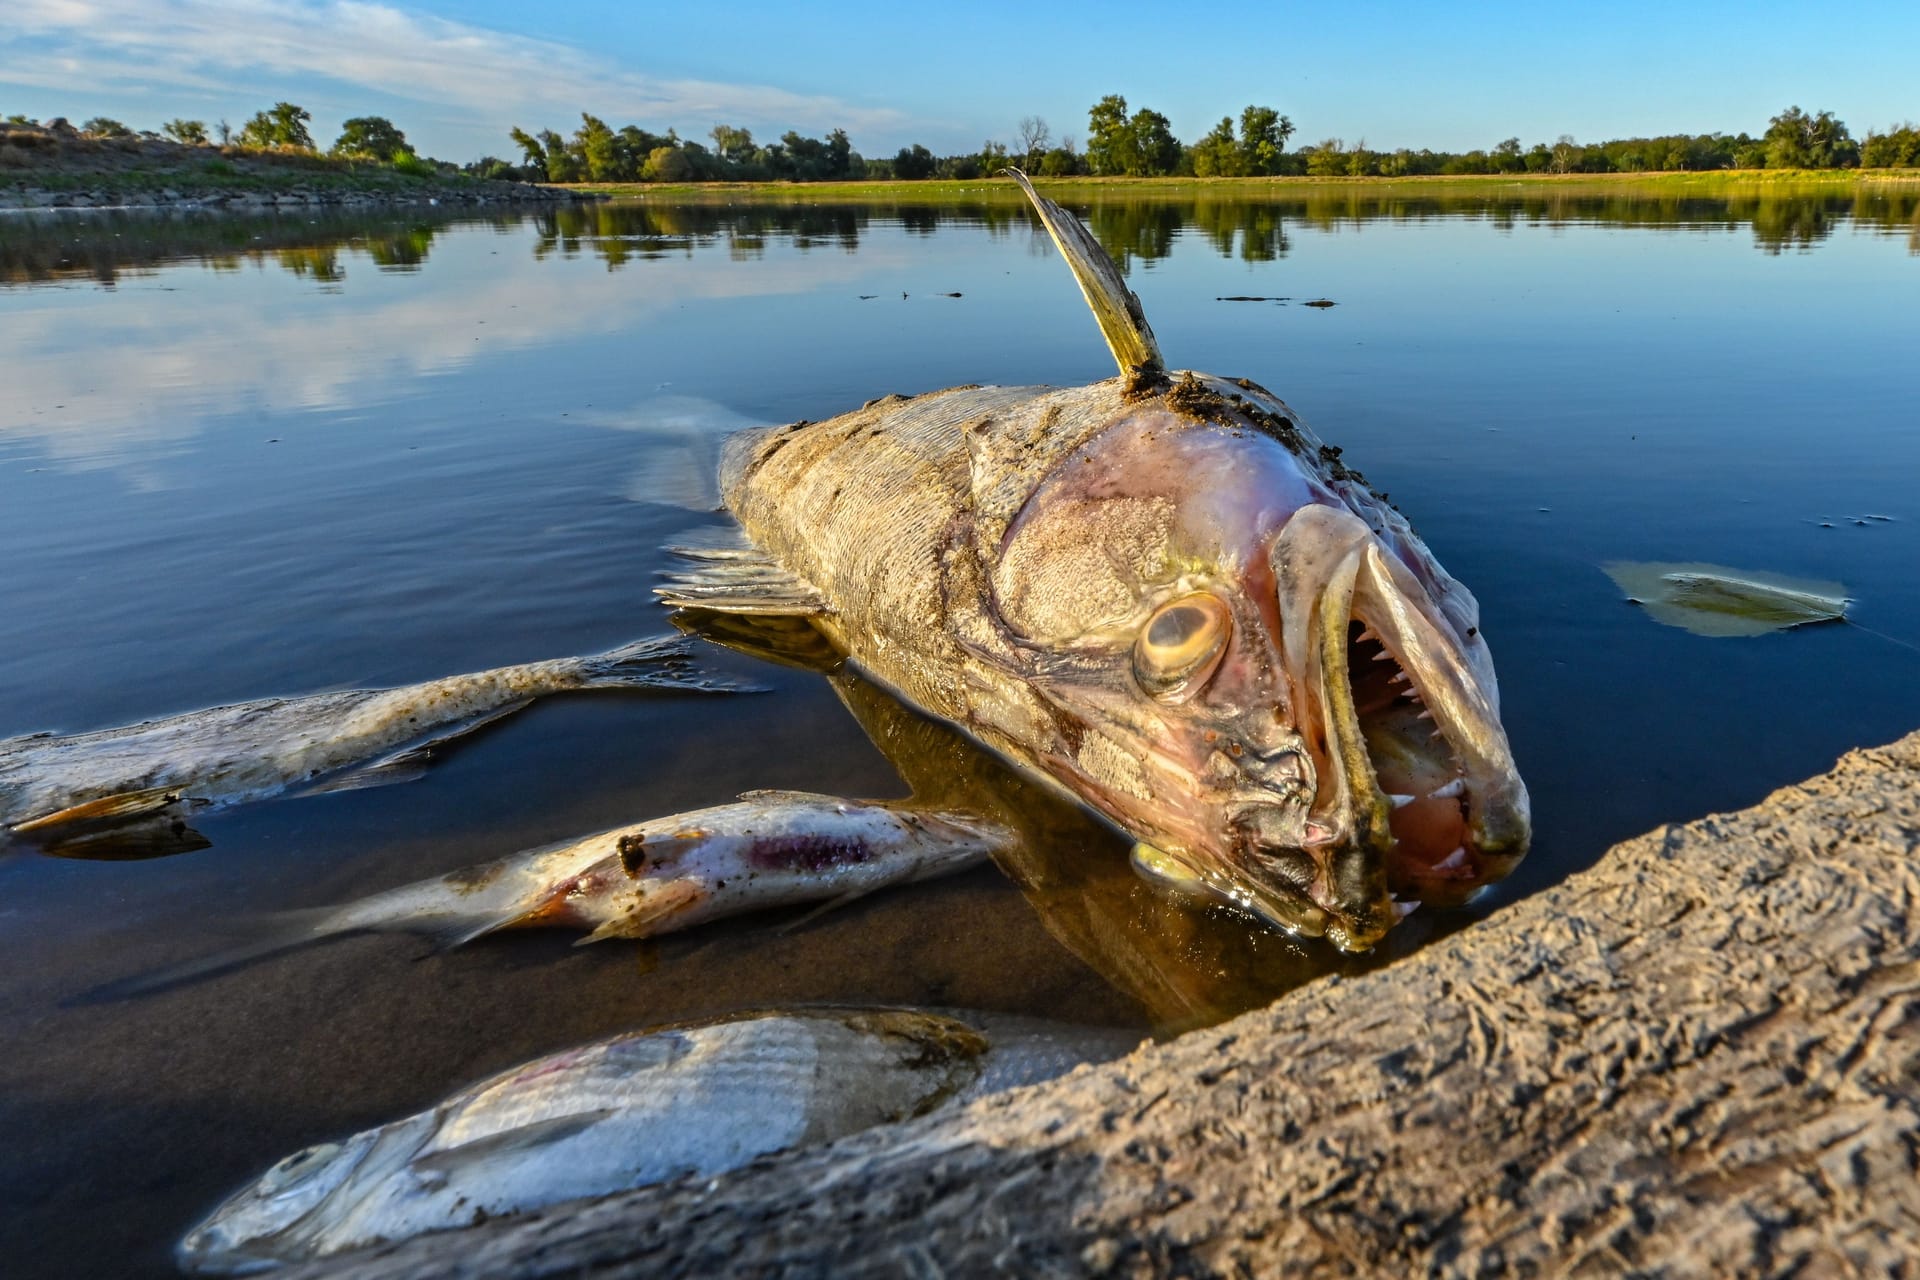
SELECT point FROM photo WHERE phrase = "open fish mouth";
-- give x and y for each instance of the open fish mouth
(1416, 798)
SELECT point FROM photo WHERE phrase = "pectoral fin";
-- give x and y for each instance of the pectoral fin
(118, 807)
(1122, 321)
(735, 576)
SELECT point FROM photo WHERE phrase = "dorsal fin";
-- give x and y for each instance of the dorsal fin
(1122, 322)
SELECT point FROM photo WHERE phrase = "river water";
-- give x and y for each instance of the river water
(243, 458)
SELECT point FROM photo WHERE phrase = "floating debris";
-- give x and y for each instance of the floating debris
(1320, 302)
(1713, 600)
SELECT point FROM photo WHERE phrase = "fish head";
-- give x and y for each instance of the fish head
(1252, 665)
(284, 1215)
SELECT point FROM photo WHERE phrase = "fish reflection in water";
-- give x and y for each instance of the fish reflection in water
(698, 1099)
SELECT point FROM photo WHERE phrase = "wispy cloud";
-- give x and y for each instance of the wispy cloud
(151, 47)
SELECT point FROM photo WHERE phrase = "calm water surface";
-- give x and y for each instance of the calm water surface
(247, 458)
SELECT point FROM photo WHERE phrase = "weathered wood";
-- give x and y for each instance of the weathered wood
(1699, 1058)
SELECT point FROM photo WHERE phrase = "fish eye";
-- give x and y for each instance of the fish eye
(1181, 643)
(297, 1166)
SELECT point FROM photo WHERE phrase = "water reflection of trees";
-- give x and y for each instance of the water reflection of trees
(111, 245)
(1135, 225)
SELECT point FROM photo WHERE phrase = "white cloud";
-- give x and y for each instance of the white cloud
(150, 47)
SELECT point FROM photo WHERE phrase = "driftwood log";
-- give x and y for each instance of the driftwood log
(1700, 1058)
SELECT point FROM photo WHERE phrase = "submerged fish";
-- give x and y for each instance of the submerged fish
(1163, 595)
(76, 793)
(1713, 600)
(631, 1110)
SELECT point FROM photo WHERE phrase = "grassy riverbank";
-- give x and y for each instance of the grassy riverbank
(1718, 183)
(44, 168)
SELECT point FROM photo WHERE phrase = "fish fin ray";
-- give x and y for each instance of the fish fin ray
(657, 662)
(658, 908)
(1122, 321)
(513, 1142)
(734, 576)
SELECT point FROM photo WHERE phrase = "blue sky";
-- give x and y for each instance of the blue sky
(456, 76)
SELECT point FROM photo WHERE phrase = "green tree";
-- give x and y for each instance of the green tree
(1796, 140)
(1506, 157)
(1109, 135)
(1154, 149)
(284, 126)
(1217, 155)
(599, 150)
(732, 145)
(1059, 163)
(1898, 147)
(371, 138)
(534, 149)
(913, 163)
(1263, 140)
(104, 127)
(667, 164)
(192, 133)
(1328, 159)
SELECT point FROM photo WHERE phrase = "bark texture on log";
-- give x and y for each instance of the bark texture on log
(1700, 1058)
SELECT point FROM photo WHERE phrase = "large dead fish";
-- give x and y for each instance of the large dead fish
(1165, 596)
(634, 1109)
(78, 793)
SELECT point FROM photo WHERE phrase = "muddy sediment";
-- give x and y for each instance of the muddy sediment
(1697, 1058)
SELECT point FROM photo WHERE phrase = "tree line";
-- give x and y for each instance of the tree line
(1119, 142)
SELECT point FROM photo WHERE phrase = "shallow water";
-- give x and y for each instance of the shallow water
(241, 458)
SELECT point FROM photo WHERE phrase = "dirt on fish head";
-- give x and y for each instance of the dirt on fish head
(1252, 664)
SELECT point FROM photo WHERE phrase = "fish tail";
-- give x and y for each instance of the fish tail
(658, 662)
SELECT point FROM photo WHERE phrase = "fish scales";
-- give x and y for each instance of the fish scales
(887, 511)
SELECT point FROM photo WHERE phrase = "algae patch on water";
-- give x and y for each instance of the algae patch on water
(1713, 600)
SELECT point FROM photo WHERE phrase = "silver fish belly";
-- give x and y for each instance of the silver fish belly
(621, 1113)
(53, 786)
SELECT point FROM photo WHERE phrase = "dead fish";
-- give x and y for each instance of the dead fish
(767, 849)
(1713, 600)
(698, 1099)
(75, 793)
(1166, 597)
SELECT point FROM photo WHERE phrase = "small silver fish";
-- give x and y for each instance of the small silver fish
(767, 849)
(76, 793)
(627, 1111)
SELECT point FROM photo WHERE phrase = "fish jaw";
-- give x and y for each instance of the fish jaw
(1419, 798)
(1277, 774)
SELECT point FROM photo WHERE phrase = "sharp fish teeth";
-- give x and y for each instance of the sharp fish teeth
(1398, 677)
(1367, 633)
(1457, 787)
(1399, 801)
(1455, 861)
(1424, 715)
(1383, 656)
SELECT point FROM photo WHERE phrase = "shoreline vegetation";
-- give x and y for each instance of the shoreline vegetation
(1708, 184)
(273, 160)
(56, 166)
